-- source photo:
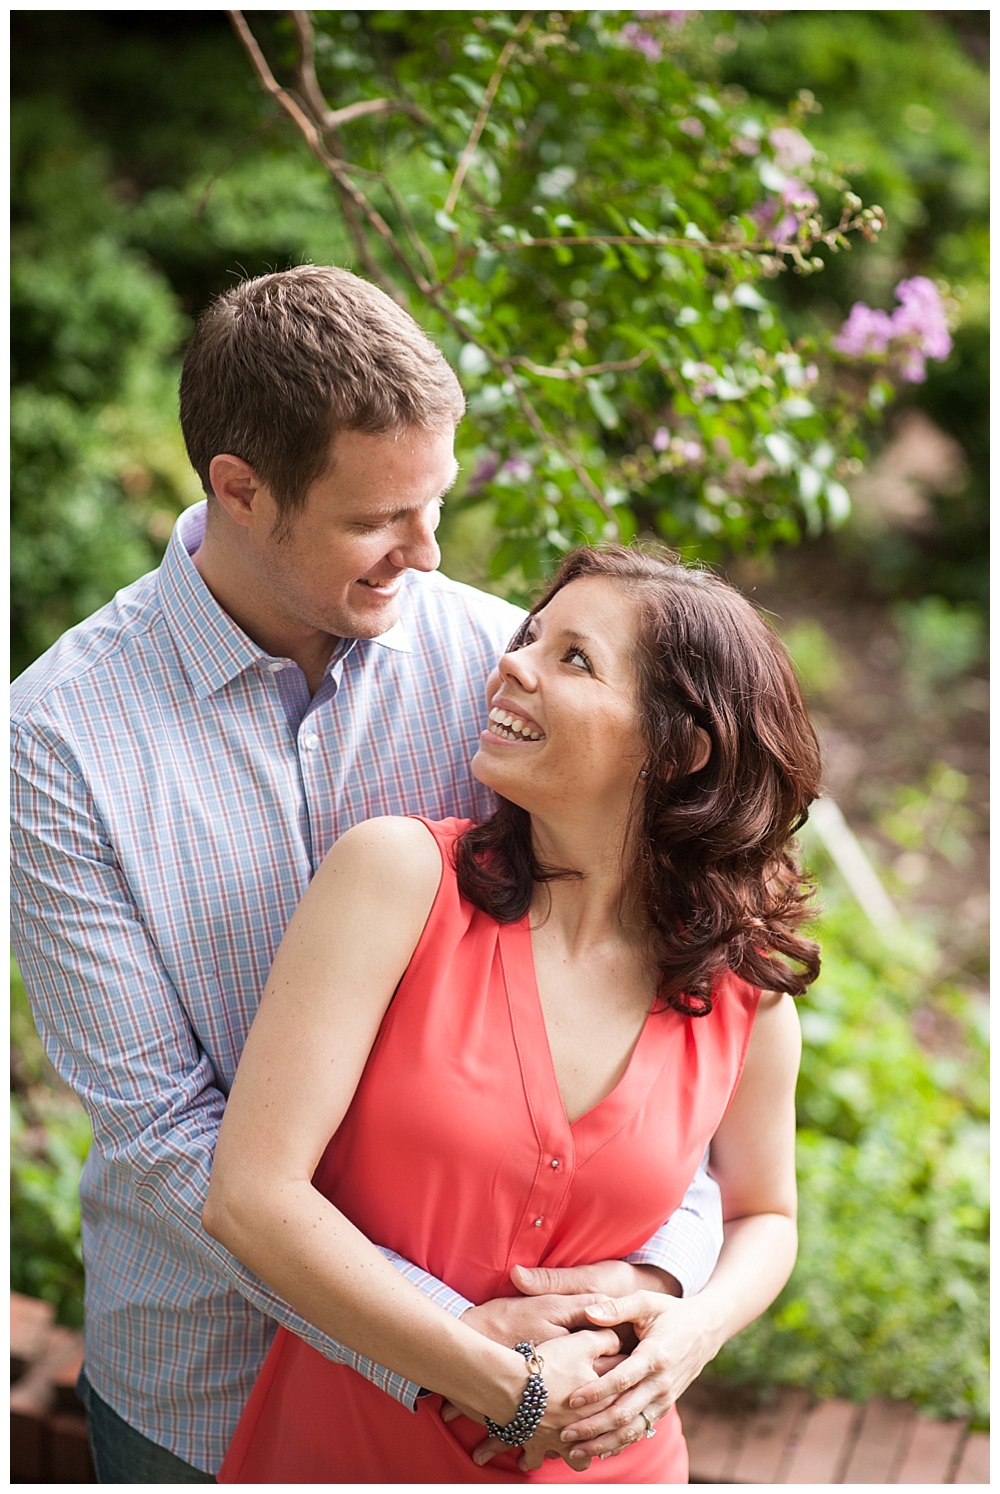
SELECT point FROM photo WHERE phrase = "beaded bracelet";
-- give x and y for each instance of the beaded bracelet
(533, 1402)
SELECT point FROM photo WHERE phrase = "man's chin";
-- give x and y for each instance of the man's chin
(364, 619)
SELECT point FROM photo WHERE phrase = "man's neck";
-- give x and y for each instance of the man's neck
(239, 594)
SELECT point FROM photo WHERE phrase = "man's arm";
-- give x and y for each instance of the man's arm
(115, 1028)
(687, 1247)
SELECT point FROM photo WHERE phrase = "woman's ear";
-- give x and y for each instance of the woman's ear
(704, 751)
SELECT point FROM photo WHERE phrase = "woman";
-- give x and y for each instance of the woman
(522, 1036)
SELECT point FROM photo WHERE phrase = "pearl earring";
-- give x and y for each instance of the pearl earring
(643, 772)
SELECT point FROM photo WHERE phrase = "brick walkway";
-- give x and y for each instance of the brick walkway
(732, 1440)
(797, 1441)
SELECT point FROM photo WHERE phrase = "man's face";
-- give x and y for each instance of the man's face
(337, 565)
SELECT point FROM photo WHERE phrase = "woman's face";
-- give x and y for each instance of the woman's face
(563, 729)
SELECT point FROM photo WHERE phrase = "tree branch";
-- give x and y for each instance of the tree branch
(586, 371)
(349, 192)
(218, 175)
(536, 422)
(465, 159)
(330, 120)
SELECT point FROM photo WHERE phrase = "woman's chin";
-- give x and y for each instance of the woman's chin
(491, 773)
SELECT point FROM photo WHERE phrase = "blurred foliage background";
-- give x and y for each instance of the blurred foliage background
(150, 169)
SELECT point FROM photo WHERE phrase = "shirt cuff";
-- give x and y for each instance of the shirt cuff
(406, 1391)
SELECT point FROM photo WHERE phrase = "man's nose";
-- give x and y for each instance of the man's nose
(418, 549)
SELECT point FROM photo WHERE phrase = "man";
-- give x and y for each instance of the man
(183, 761)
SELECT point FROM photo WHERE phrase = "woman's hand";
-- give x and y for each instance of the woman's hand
(676, 1339)
(568, 1362)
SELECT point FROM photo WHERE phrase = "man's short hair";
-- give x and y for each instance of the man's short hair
(281, 363)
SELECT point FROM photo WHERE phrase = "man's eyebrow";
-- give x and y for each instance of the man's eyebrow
(387, 510)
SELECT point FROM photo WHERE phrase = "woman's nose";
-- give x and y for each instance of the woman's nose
(517, 665)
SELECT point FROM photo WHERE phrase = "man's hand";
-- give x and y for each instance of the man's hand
(535, 1319)
(604, 1278)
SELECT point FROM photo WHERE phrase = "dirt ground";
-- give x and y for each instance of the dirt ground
(881, 735)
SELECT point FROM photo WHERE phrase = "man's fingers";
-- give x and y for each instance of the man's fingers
(537, 1281)
(631, 1309)
(488, 1449)
(449, 1412)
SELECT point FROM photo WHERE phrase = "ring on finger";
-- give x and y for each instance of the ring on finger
(650, 1429)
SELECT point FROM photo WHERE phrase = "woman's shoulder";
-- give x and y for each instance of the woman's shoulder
(390, 857)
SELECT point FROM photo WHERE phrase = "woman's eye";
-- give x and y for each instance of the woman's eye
(521, 639)
(577, 657)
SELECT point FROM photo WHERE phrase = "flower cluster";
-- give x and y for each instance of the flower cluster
(780, 216)
(916, 330)
(643, 40)
(681, 449)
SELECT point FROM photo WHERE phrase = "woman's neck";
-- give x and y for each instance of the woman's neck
(599, 904)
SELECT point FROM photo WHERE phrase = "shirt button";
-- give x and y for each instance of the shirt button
(277, 666)
(310, 741)
(539, 1223)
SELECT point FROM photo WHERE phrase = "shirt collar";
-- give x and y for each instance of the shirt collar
(213, 649)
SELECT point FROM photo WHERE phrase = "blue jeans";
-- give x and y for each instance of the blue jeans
(124, 1456)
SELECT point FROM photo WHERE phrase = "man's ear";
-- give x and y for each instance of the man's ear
(236, 486)
(704, 750)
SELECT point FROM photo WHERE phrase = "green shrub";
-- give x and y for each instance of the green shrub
(50, 1138)
(889, 1296)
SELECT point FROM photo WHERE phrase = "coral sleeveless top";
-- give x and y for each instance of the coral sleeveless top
(456, 1152)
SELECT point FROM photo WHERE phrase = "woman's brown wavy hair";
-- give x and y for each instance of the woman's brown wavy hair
(714, 864)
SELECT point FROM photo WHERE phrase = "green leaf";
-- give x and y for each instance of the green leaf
(601, 405)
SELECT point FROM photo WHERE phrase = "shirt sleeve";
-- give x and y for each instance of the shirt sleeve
(115, 1028)
(688, 1245)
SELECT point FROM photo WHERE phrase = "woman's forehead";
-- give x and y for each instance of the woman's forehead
(594, 609)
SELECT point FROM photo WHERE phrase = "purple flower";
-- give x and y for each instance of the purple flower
(676, 18)
(791, 149)
(692, 127)
(865, 334)
(745, 145)
(921, 315)
(796, 194)
(486, 469)
(642, 41)
(916, 331)
(519, 469)
(661, 439)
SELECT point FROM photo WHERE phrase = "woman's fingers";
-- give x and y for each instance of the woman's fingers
(630, 1371)
(609, 1443)
(618, 1424)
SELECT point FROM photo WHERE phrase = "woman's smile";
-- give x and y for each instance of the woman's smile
(509, 724)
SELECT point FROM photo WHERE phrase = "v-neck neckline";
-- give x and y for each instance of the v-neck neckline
(598, 1124)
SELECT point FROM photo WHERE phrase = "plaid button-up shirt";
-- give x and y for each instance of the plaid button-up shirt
(175, 789)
